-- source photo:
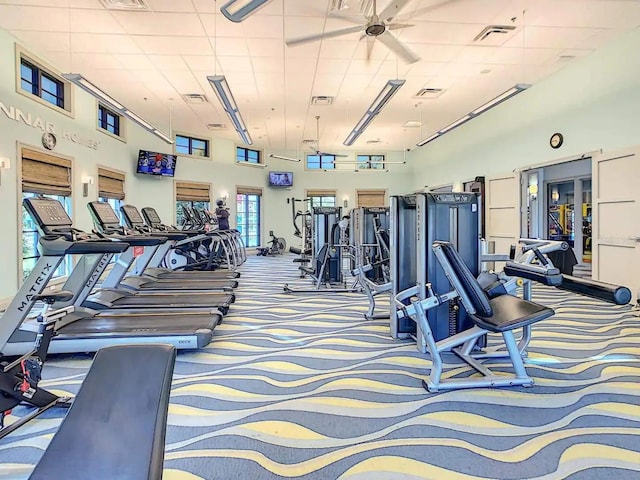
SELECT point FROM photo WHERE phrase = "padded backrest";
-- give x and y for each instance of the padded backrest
(472, 288)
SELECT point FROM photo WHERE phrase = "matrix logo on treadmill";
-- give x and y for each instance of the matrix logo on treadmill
(35, 288)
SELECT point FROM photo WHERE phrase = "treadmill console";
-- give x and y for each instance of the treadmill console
(104, 214)
(132, 216)
(152, 217)
(48, 213)
(326, 210)
(454, 197)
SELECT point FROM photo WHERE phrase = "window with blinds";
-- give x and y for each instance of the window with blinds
(193, 192)
(321, 198)
(371, 198)
(45, 174)
(110, 184)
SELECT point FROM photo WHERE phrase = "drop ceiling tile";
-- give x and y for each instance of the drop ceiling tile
(475, 54)
(205, 6)
(378, 52)
(84, 61)
(459, 11)
(156, 45)
(49, 41)
(583, 13)
(552, 37)
(94, 21)
(236, 64)
(442, 33)
(218, 26)
(264, 27)
(264, 47)
(201, 63)
(168, 62)
(364, 67)
(268, 65)
(183, 81)
(43, 19)
(516, 56)
(103, 43)
(337, 49)
(305, 8)
(150, 23)
(309, 50)
(134, 61)
(229, 47)
(170, 6)
(327, 84)
(420, 68)
(296, 26)
(333, 65)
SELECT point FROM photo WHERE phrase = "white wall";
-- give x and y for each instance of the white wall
(221, 170)
(593, 102)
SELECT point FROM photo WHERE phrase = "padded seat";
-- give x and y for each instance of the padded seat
(511, 312)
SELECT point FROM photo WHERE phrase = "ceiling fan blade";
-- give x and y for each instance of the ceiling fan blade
(398, 26)
(332, 154)
(321, 36)
(398, 48)
(392, 10)
(370, 42)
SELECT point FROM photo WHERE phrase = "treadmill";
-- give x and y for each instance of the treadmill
(84, 329)
(112, 294)
(135, 222)
(143, 277)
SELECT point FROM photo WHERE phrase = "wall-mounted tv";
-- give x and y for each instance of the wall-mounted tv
(154, 163)
(281, 179)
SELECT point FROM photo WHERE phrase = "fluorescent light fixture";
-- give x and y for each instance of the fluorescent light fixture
(427, 140)
(520, 87)
(238, 10)
(455, 124)
(388, 91)
(139, 120)
(92, 89)
(289, 159)
(257, 165)
(221, 87)
(89, 87)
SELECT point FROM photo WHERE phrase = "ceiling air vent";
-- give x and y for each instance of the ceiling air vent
(493, 29)
(216, 126)
(196, 98)
(124, 4)
(308, 142)
(429, 92)
(321, 100)
(412, 124)
(372, 142)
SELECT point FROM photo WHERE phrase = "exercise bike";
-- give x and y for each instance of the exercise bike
(19, 378)
(277, 246)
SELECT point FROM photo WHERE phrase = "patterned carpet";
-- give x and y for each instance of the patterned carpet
(301, 386)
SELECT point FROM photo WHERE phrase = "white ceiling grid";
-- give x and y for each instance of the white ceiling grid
(148, 59)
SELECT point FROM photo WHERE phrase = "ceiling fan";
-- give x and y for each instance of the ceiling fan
(318, 150)
(378, 26)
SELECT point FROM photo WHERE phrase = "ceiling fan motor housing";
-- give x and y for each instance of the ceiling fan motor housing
(375, 27)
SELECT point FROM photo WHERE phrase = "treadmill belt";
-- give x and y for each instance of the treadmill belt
(164, 300)
(140, 324)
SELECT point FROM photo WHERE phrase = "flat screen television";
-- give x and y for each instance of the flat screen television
(154, 163)
(281, 179)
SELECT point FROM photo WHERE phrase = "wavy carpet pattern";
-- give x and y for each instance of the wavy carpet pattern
(302, 386)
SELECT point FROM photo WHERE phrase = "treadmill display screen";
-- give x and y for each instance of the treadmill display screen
(105, 213)
(48, 212)
(153, 216)
(133, 215)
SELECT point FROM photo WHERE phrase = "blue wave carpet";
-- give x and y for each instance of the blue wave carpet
(302, 386)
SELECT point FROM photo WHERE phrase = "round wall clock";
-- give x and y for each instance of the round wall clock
(556, 140)
(49, 141)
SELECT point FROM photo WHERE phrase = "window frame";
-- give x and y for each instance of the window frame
(121, 135)
(240, 225)
(260, 153)
(190, 137)
(67, 92)
(369, 158)
(178, 206)
(320, 158)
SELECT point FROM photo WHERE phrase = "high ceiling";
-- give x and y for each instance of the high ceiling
(149, 59)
